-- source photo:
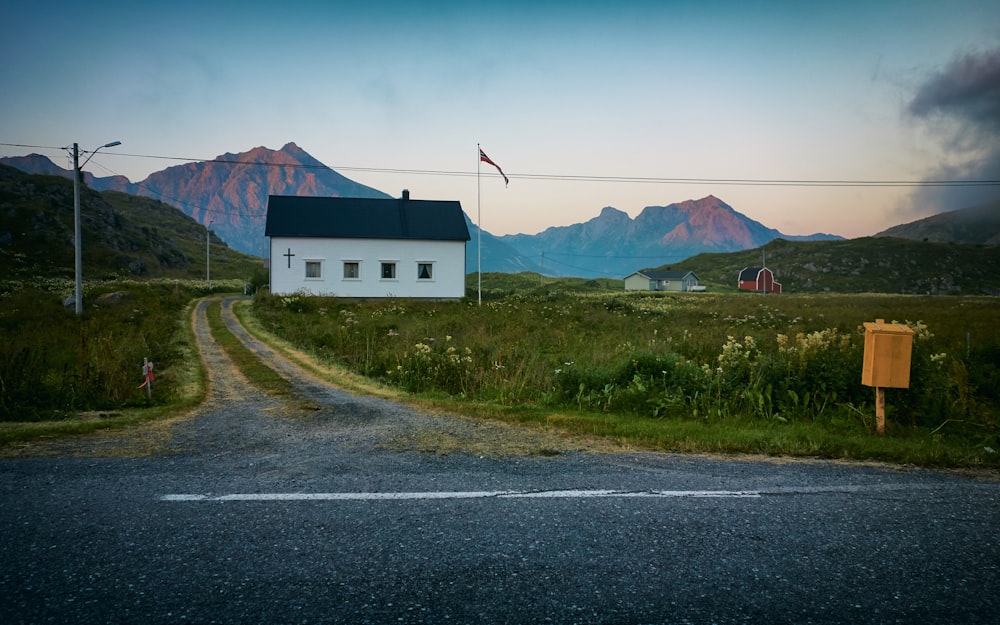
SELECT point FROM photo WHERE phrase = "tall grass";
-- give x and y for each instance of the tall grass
(789, 365)
(54, 364)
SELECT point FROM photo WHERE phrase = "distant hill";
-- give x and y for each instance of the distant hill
(123, 235)
(980, 224)
(869, 264)
(614, 245)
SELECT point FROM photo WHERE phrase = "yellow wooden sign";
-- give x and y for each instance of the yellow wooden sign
(887, 355)
(886, 363)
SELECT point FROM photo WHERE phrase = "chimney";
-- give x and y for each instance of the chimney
(406, 194)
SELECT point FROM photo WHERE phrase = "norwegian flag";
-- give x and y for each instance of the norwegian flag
(486, 159)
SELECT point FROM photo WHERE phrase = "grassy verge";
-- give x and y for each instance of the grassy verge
(189, 379)
(733, 436)
(748, 436)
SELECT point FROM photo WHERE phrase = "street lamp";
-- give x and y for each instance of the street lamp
(76, 218)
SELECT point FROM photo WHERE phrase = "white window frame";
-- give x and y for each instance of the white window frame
(395, 270)
(430, 270)
(357, 266)
(318, 262)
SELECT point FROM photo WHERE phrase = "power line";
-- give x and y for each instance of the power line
(772, 182)
(658, 256)
(37, 147)
(603, 273)
(616, 179)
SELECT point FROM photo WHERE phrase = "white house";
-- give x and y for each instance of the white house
(366, 248)
(655, 280)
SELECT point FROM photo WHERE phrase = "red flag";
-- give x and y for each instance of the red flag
(486, 159)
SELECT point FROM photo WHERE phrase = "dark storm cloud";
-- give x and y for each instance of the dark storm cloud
(968, 89)
(962, 104)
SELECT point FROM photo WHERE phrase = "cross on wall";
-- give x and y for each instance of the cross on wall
(289, 255)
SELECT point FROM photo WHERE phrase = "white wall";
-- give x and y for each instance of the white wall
(636, 282)
(447, 259)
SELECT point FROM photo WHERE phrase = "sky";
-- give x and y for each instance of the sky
(628, 104)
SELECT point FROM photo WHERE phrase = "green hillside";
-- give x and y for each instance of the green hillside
(866, 265)
(123, 235)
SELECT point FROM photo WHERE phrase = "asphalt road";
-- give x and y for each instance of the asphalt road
(248, 512)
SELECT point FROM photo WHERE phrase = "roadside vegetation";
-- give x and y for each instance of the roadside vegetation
(708, 372)
(692, 372)
(61, 374)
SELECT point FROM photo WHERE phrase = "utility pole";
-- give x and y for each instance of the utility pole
(208, 264)
(77, 236)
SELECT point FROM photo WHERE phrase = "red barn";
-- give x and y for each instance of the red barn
(759, 279)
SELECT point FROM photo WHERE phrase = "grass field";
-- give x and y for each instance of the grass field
(693, 372)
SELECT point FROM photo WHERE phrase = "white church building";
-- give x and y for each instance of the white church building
(366, 248)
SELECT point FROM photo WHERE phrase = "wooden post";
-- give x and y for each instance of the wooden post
(147, 374)
(880, 410)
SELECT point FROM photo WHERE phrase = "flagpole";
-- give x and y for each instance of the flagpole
(479, 225)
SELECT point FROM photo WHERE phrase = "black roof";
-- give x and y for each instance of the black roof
(750, 273)
(365, 218)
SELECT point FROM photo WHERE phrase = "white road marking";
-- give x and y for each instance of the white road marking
(498, 494)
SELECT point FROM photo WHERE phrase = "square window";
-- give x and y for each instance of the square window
(314, 269)
(388, 271)
(351, 271)
(425, 271)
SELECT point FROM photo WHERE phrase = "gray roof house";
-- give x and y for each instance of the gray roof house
(657, 280)
(366, 248)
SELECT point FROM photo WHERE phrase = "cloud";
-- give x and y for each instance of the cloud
(961, 104)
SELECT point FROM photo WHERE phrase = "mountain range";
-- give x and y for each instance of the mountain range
(614, 245)
(132, 236)
(229, 195)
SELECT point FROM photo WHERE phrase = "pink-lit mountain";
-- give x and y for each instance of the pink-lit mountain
(230, 192)
(614, 245)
